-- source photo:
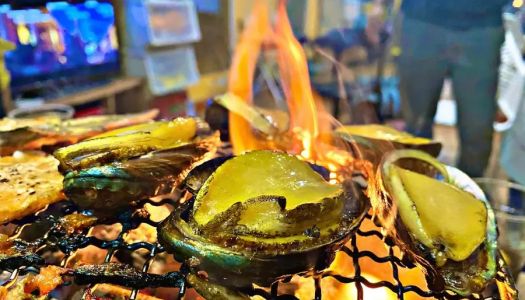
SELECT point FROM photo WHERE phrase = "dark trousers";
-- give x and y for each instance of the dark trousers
(470, 58)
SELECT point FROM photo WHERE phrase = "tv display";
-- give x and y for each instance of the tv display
(59, 41)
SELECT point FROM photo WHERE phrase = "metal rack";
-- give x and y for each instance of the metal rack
(360, 281)
(54, 237)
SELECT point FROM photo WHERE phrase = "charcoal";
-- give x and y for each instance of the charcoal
(125, 275)
(19, 254)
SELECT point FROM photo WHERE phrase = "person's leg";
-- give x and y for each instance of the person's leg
(422, 70)
(475, 78)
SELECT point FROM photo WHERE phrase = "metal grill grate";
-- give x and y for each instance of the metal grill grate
(55, 238)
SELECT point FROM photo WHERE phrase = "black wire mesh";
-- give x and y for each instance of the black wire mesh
(54, 238)
(361, 256)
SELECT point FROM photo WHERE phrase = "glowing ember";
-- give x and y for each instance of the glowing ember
(349, 291)
(47, 280)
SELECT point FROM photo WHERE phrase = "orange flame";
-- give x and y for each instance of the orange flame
(296, 80)
(293, 68)
(241, 76)
(375, 271)
(310, 131)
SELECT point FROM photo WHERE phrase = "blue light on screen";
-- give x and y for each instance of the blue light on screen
(91, 4)
(4, 8)
(56, 5)
(60, 39)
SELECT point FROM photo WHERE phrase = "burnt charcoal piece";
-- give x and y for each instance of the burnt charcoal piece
(15, 254)
(125, 275)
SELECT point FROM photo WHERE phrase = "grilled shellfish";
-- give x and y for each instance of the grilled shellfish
(449, 227)
(128, 142)
(116, 169)
(119, 184)
(259, 216)
(374, 140)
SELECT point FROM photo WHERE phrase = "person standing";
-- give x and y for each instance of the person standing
(459, 39)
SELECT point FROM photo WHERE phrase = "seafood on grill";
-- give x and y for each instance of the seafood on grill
(447, 226)
(128, 142)
(29, 182)
(120, 184)
(118, 168)
(124, 275)
(373, 140)
(260, 216)
(18, 291)
(114, 292)
(76, 223)
(35, 133)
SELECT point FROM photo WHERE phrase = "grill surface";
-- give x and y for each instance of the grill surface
(53, 238)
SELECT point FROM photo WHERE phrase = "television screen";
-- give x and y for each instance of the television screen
(59, 40)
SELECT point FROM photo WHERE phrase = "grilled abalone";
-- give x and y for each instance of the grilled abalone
(128, 142)
(120, 184)
(446, 225)
(116, 169)
(374, 140)
(262, 215)
(49, 131)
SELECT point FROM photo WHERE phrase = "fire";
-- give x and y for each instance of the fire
(371, 270)
(350, 291)
(310, 126)
(296, 80)
(241, 76)
(304, 117)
